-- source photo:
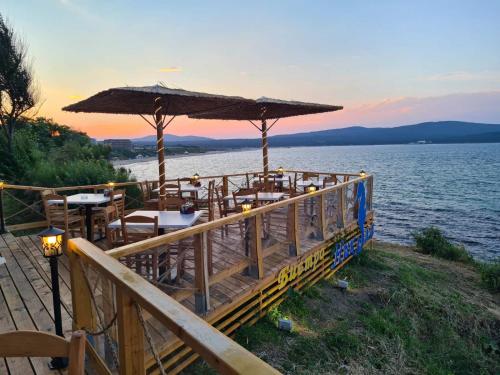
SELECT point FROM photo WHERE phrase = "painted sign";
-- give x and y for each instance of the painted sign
(343, 250)
(292, 271)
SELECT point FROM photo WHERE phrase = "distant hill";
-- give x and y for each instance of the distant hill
(171, 138)
(433, 132)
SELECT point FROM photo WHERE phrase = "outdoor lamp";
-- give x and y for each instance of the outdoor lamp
(52, 245)
(362, 173)
(1, 184)
(246, 206)
(52, 242)
(196, 177)
(280, 171)
(311, 188)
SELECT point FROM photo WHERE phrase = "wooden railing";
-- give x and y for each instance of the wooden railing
(137, 323)
(218, 249)
(126, 317)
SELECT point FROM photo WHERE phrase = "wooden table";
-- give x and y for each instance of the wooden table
(261, 196)
(87, 200)
(166, 220)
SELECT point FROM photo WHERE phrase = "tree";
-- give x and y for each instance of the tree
(18, 92)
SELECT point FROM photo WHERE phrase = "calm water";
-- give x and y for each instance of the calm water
(454, 187)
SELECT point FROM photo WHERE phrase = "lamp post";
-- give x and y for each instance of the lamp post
(2, 221)
(52, 245)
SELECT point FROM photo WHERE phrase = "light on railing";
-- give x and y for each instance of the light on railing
(111, 184)
(280, 171)
(196, 177)
(362, 174)
(311, 188)
(52, 241)
(1, 184)
(246, 206)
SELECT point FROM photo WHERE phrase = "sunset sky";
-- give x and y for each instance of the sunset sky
(387, 62)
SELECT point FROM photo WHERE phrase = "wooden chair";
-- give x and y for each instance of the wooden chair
(329, 181)
(114, 237)
(173, 190)
(243, 192)
(291, 189)
(207, 202)
(42, 344)
(309, 175)
(268, 186)
(146, 263)
(173, 203)
(59, 216)
(116, 199)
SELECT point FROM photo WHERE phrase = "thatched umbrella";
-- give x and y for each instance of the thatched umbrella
(159, 102)
(264, 109)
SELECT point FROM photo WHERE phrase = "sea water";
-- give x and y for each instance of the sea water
(455, 187)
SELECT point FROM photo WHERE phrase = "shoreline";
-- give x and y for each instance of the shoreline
(121, 162)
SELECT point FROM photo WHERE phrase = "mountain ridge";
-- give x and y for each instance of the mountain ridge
(432, 132)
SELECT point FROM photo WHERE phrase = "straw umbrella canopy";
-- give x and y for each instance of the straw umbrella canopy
(264, 109)
(159, 102)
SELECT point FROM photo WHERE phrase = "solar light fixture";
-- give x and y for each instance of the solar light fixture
(52, 242)
(246, 206)
(280, 171)
(111, 184)
(196, 177)
(52, 245)
(362, 174)
(311, 188)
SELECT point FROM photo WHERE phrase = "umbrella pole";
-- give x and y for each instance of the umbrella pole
(161, 153)
(264, 149)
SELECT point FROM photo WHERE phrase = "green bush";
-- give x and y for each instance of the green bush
(432, 241)
(490, 275)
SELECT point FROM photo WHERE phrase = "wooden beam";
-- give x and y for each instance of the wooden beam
(130, 335)
(218, 350)
(201, 294)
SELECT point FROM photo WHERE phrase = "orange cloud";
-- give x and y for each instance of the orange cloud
(172, 69)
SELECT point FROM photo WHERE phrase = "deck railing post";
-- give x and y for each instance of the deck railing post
(292, 228)
(225, 186)
(322, 216)
(83, 317)
(2, 220)
(130, 335)
(201, 294)
(256, 268)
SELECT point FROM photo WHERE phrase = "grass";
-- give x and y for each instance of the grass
(432, 241)
(490, 275)
(403, 313)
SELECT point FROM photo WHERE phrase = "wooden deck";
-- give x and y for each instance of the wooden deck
(26, 297)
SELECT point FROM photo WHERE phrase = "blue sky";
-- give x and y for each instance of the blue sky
(382, 60)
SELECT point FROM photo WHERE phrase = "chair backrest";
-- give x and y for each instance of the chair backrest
(173, 203)
(329, 181)
(112, 235)
(244, 192)
(117, 199)
(308, 175)
(142, 232)
(268, 186)
(56, 213)
(210, 200)
(219, 196)
(173, 189)
(145, 190)
(42, 344)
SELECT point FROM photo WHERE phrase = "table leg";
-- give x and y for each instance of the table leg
(88, 221)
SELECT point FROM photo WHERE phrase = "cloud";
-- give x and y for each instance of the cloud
(463, 76)
(171, 69)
